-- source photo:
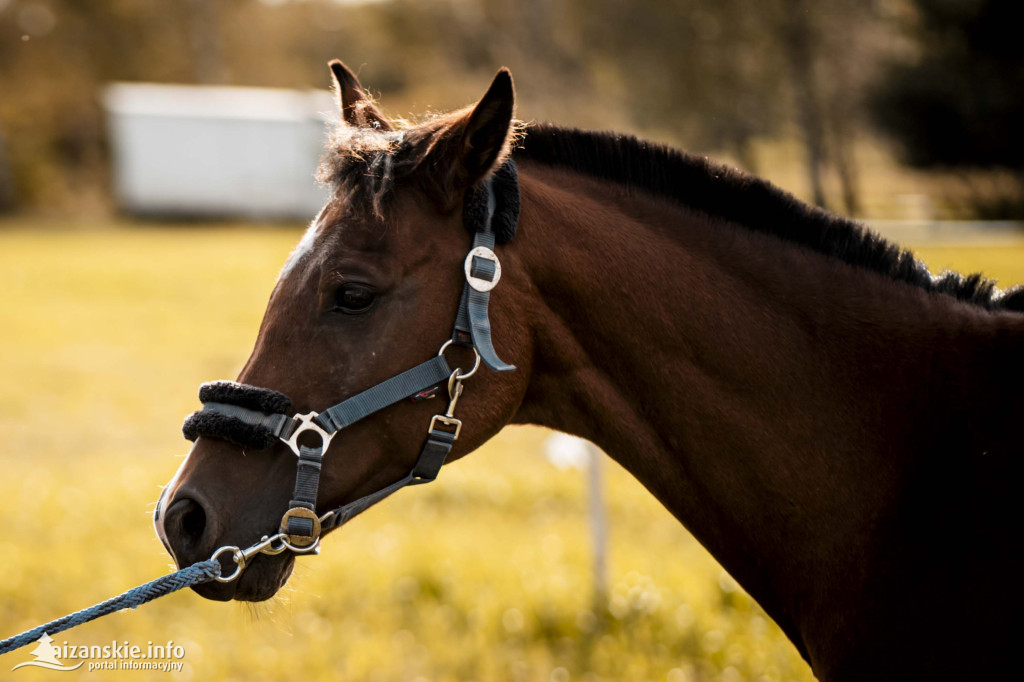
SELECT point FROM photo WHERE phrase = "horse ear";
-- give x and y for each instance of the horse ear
(488, 131)
(357, 109)
(456, 151)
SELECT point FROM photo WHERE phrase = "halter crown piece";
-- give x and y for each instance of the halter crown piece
(254, 417)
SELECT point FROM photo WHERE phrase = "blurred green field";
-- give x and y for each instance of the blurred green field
(483, 576)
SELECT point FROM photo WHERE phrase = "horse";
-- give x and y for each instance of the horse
(834, 423)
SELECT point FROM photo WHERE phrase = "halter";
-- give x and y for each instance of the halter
(255, 417)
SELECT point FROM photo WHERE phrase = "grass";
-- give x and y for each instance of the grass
(482, 576)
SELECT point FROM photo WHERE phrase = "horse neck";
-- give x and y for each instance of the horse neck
(773, 399)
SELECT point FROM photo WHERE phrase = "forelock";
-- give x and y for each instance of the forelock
(363, 164)
(359, 164)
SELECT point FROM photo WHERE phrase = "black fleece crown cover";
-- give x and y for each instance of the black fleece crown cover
(506, 204)
(231, 429)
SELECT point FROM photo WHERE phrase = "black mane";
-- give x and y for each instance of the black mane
(749, 201)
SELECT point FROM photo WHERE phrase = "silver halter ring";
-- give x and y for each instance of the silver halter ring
(476, 361)
(237, 556)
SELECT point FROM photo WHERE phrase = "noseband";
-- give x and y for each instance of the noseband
(255, 417)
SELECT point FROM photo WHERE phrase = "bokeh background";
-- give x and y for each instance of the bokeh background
(113, 309)
(896, 109)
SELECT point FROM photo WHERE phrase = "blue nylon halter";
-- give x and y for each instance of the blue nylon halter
(224, 417)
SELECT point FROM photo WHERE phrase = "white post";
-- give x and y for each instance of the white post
(598, 527)
(569, 452)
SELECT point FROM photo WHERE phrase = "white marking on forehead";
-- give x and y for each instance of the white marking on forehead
(304, 246)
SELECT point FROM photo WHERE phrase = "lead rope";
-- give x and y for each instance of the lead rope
(196, 574)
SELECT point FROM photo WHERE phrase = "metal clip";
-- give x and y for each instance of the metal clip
(266, 545)
(454, 393)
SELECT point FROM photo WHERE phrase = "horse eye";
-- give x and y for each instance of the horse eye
(354, 298)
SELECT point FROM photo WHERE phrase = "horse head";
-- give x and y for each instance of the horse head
(373, 288)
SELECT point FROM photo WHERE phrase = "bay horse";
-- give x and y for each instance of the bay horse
(836, 425)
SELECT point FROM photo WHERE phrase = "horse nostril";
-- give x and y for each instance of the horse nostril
(193, 522)
(186, 521)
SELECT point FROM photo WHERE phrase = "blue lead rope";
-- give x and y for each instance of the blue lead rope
(201, 572)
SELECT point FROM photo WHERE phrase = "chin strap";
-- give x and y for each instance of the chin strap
(300, 522)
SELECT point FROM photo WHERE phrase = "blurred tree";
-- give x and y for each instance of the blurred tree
(205, 32)
(832, 50)
(713, 76)
(959, 100)
(7, 196)
(703, 72)
(800, 45)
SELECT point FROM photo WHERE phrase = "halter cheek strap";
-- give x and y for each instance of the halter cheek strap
(254, 417)
(496, 204)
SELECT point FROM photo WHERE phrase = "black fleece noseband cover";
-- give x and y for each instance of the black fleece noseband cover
(244, 395)
(233, 430)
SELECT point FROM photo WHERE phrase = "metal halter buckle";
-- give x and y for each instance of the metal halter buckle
(447, 421)
(479, 283)
(301, 513)
(307, 424)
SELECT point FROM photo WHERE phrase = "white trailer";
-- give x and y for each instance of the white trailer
(216, 151)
